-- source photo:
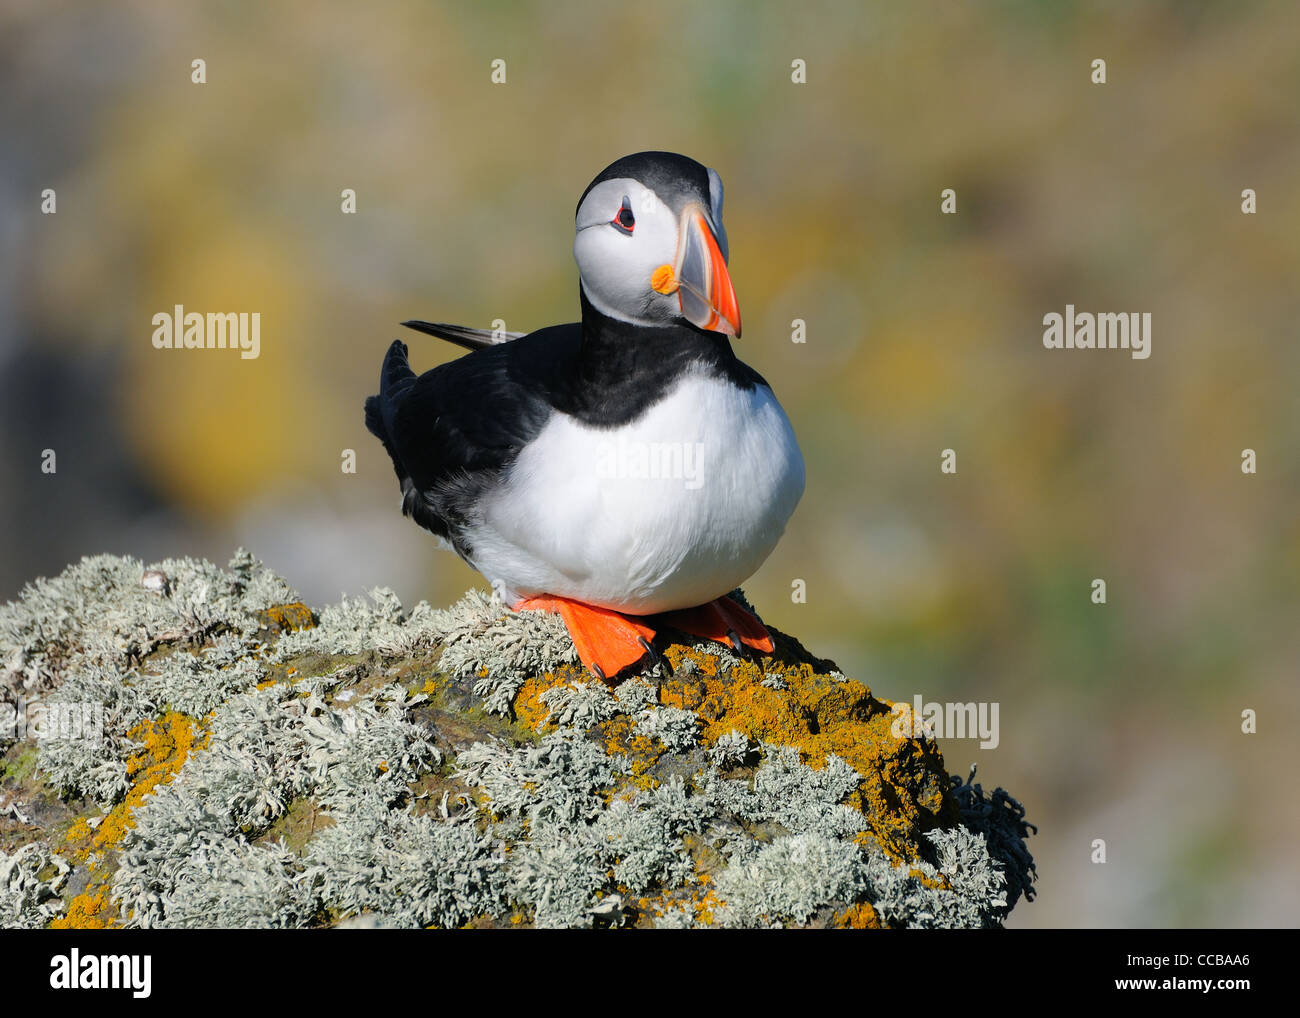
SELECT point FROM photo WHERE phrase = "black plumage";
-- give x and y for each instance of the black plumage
(453, 432)
(676, 179)
(462, 335)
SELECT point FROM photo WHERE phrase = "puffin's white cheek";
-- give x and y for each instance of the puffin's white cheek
(600, 268)
(613, 268)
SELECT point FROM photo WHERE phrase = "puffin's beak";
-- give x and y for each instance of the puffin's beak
(707, 297)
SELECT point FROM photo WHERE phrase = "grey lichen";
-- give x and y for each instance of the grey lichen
(571, 849)
(356, 624)
(676, 728)
(406, 869)
(482, 637)
(76, 643)
(635, 695)
(790, 879)
(644, 835)
(29, 891)
(269, 748)
(1001, 820)
(553, 782)
(729, 750)
(100, 611)
(787, 792)
(820, 862)
(197, 683)
(581, 705)
(201, 876)
(355, 795)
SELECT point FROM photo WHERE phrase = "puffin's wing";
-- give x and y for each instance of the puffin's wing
(462, 335)
(453, 431)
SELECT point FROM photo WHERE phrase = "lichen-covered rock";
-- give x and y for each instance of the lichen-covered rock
(190, 746)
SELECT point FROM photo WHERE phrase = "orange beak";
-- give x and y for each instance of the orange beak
(708, 299)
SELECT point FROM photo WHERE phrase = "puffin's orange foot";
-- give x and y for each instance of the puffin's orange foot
(724, 621)
(606, 641)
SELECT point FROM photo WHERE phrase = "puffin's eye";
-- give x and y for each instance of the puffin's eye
(624, 220)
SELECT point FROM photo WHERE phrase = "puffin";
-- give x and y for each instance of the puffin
(626, 471)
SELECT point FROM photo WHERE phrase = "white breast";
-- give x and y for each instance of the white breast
(670, 511)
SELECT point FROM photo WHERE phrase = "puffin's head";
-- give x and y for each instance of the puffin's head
(650, 245)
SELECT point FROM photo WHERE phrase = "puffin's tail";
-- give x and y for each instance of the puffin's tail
(395, 377)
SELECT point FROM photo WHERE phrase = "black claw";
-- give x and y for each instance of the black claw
(736, 645)
(599, 672)
(655, 657)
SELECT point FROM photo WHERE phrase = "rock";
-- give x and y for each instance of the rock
(207, 751)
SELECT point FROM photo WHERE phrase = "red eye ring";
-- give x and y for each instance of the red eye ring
(623, 220)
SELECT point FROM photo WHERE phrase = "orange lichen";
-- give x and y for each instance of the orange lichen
(91, 910)
(642, 752)
(528, 704)
(81, 831)
(166, 745)
(857, 917)
(705, 907)
(287, 617)
(904, 790)
(618, 735)
(904, 787)
(940, 883)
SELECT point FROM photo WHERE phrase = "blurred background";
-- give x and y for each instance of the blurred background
(924, 332)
